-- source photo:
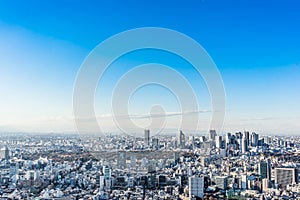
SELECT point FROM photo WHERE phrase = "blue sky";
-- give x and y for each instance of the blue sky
(255, 45)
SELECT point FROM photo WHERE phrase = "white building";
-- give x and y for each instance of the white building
(244, 181)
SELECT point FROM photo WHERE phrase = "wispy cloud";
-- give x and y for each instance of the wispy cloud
(156, 115)
(269, 118)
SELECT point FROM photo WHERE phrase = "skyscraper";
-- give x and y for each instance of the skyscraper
(244, 145)
(196, 187)
(147, 138)
(193, 142)
(181, 138)
(228, 139)
(6, 153)
(245, 142)
(264, 169)
(212, 134)
(254, 139)
(247, 137)
(218, 141)
(239, 138)
(155, 142)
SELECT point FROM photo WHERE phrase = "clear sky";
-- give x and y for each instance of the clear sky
(255, 44)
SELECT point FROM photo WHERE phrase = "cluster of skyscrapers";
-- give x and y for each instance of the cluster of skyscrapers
(182, 166)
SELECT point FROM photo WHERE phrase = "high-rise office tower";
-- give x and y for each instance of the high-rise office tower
(196, 187)
(254, 139)
(286, 176)
(218, 141)
(6, 153)
(264, 169)
(155, 142)
(247, 137)
(147, 138)
(239, 139)
(228, 139)
(239, 135)
(181, 138)
(193, 142)
(212, 134)
(244, 145)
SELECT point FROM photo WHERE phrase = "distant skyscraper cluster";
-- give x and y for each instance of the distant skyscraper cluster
(182, 166)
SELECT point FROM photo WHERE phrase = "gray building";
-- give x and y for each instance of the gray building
(286, 176)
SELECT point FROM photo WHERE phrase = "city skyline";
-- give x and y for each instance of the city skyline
(255, 46)
(149, 100)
